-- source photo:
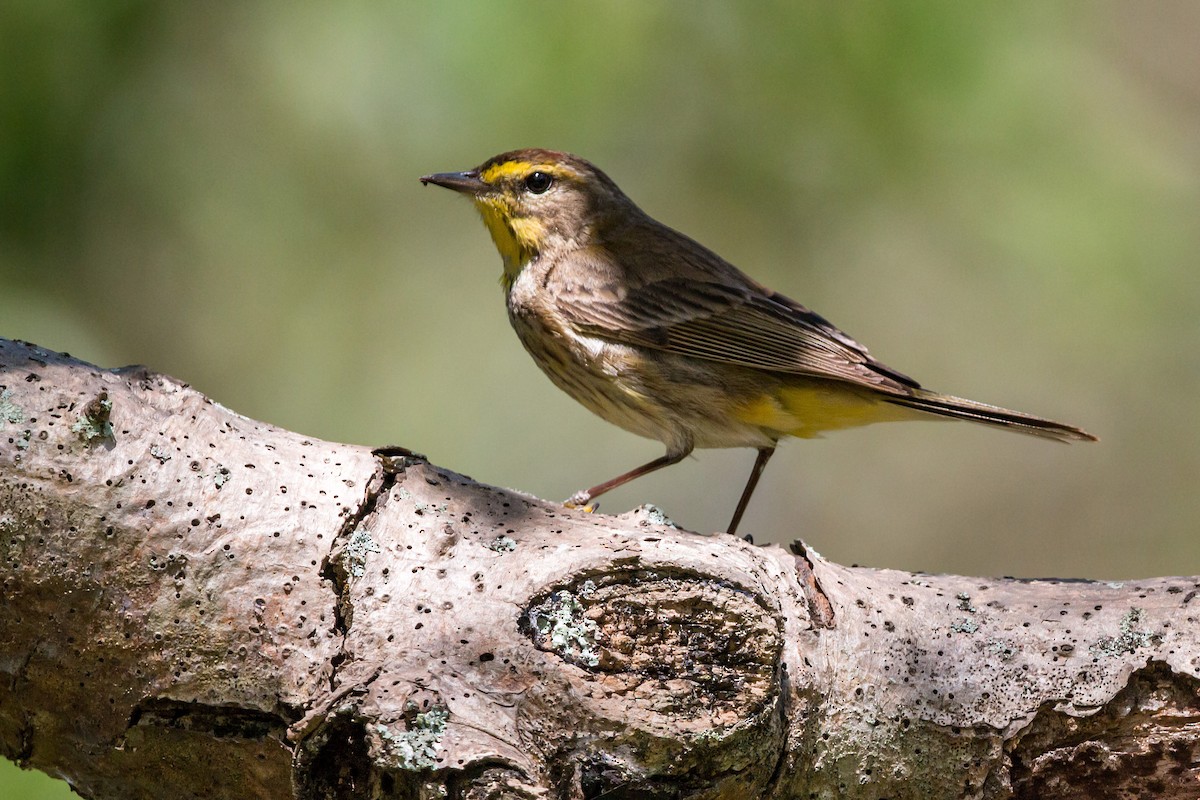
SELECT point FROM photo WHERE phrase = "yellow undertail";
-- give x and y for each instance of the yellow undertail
(809, 411)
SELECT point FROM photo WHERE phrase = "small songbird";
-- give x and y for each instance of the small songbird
(661, 336)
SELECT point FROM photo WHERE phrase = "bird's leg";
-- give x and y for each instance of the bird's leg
(582, 499)
(760, 463)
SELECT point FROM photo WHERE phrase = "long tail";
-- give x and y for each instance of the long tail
(960, 408)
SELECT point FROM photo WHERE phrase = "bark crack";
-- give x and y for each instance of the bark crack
(820, 610)
(338, 568)
(25, 749)
(224, 722)
(339, 564)
(778, 772)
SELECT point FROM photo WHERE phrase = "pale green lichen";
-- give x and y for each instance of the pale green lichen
(964, 602)
(418, 506)
(354, 556)
(94, 425)
(502, 544)
(10, 411)
(1128, 640)
(416, 748)
(964, 625)
(563, 628)
(1002, 649)
(711, 736)
(656, 516)
(160, 453)
(221, 476)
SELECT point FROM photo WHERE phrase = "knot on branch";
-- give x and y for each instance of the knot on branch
(690, 646)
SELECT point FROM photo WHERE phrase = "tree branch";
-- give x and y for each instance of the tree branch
(198, 604)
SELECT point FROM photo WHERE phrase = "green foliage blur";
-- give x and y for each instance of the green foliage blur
(1001, 199)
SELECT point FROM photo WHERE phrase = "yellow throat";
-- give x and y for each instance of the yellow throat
(516, 237)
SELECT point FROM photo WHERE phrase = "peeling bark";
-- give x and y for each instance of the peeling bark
(197, 604)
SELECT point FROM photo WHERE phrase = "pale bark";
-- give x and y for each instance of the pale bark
(195, 604)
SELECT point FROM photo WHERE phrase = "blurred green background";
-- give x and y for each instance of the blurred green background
(1000, 199)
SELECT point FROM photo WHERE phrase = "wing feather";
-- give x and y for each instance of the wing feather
(709, 310)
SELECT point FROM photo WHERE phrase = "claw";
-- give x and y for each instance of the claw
(578, 500)
(581, 504)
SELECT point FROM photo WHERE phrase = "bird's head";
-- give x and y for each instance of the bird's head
(537, 201)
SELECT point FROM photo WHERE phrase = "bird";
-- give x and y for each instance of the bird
(662, 337)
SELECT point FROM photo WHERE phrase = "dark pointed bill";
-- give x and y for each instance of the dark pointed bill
(465, 182)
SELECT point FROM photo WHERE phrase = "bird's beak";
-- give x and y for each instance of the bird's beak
(465, 182)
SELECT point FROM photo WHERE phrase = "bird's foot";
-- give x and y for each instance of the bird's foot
(582, 501)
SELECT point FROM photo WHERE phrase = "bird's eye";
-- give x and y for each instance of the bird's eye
(538, 182)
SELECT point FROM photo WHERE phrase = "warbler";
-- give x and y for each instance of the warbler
(656, 333)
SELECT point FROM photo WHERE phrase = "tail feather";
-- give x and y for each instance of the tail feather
(960, 408)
